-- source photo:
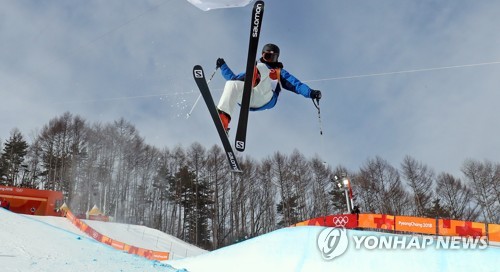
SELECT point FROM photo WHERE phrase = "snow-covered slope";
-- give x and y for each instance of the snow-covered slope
(27, 244)
(30, 243)
(148, 238)
(135, 235)
(295, 249)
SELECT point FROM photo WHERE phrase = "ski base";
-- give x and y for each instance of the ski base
(199, 77)
(256, 23)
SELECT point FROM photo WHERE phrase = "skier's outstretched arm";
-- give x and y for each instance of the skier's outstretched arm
(293, 84)
(226, 72)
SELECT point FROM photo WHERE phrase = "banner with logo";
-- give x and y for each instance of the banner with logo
(147, 253)
(348, 221)
(431, 226)
(450, 227)
(415, 224)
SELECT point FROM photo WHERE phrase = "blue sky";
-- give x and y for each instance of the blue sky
(104, 60)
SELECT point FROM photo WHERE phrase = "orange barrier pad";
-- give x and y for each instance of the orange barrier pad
(450, 227)
(376, 221)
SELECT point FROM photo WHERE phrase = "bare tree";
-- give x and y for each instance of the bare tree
(62, 146)
(420, 178)
(384, 190)
(456, 198)
(483, 178)
(287, 206)
(175, 192)
(321, 186)
(268, 198)
(300, 177)
(217, 176)
(239, 190)
(34, 163)
(258, 193)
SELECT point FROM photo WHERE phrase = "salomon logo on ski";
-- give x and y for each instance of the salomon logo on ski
(240, 145)
(257, 20)
(232, 161)
(198, 74)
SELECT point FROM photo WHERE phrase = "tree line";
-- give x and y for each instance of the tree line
(189, 191)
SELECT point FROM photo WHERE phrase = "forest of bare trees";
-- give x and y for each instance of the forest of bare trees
(189, 191)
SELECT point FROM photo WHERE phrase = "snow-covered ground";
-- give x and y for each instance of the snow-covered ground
(30, 243)
(295, 249)
(148, 238)
(135, 235)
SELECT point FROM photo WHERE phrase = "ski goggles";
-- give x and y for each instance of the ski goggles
(270, 56)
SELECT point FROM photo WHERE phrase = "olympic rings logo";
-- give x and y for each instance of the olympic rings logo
(340, 221)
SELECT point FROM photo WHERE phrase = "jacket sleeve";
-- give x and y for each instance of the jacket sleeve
(291, 83)
(229, 75)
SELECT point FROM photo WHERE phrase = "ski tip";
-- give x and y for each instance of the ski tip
(198, 72)
(239, 145)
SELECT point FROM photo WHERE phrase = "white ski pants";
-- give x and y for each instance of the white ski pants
(233, 92)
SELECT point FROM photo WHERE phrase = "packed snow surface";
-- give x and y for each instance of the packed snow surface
(35, 243)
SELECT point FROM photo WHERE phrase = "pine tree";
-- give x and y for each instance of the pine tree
(338, 200)
(436, 210)
(289, 209)
(196, 201)
(12, 168)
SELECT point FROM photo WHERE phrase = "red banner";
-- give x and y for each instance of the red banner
(348, 221)
(147, 253)
(31, 201)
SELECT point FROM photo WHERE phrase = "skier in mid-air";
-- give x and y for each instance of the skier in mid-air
(269, 78)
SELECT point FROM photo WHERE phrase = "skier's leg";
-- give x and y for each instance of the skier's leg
(232, 94)
(233, 91)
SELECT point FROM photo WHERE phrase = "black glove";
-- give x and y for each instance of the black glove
(316, 94)
(219, 63)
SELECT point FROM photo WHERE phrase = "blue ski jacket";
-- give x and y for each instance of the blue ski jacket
(286, 80)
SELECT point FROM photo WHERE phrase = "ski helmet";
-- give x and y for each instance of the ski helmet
(270, 52)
